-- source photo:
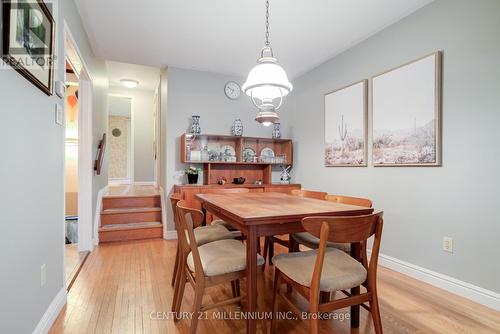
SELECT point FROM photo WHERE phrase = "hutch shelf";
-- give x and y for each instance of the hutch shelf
(230, 156)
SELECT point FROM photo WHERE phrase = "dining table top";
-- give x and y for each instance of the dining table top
(266, 208)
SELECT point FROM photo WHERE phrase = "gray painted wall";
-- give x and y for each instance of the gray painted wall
(32, 190)
(202, 93)
(142, 122)
(422, 205)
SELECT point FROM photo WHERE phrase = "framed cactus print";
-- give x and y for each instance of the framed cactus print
(407, 114)
(346, 121)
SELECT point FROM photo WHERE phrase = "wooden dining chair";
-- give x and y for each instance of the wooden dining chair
(350, 200)
(290, 244)
(330, 269)
(207, 265)
(203, 234)
(308, 193)
(309, 240)
(236, 233)
(225, 191)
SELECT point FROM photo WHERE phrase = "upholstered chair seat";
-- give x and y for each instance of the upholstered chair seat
(220, 222)
(340, 270)
(206, 234)
(309, 240)
(222, 257)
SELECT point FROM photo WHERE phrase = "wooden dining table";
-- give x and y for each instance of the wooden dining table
(269, 214)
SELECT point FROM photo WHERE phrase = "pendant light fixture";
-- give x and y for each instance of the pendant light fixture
(267, 82)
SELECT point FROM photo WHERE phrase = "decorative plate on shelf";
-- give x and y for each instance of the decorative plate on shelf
(267, 154)
(248, 155)
(228, 153)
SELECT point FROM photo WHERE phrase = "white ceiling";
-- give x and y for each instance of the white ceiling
(226, 36)
(148, 76)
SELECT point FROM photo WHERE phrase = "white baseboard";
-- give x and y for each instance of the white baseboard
(51, 313)
(171, 235)
(145, 183)
(163, 213)
(480, 295)
(97, 217)
(118, 182)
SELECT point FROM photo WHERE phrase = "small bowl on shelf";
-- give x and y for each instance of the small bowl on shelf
(239, 180)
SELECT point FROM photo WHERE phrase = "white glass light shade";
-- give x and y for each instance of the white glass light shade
(129, 83)
(267, 80)
(267, 117)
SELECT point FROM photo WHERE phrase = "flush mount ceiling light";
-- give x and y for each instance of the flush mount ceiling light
(129, 83)
(267, 82)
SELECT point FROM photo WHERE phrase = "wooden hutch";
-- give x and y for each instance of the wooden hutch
(231, 157)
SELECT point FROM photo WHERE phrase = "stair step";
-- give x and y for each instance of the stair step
(133, 231)
(130, 215)
(130, 226)
(115, 202)
(115, 211)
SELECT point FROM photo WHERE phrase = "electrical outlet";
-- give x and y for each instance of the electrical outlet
(43, 274)
(448, 244)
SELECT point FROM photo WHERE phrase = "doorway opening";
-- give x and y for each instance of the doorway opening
(78, 161)
(120, 144)
(73, 257)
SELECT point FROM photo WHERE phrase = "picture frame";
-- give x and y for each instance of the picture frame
(28, 41)
(346, 126)
(406, 114)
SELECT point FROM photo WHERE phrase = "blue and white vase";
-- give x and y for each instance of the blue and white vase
(276, 130)
(195, 125)
(237, 128)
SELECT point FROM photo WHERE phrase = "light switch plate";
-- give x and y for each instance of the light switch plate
(60, 89)
(59, 114)
(43, 274)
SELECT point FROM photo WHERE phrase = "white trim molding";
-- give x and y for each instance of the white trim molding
(171, 235)
(52, 312)
(119, 182)
(164, 213)
(145, 183)
(97, 215)
(479, 295)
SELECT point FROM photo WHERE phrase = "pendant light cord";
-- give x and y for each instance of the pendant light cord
(267, 23)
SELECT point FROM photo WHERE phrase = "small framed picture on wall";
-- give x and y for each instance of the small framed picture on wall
(28, 40)
(346, 120)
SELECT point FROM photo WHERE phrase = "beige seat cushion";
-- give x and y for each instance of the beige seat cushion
(340, 270)
(223, 223)
(222, 257)
(206, 234)
(311, 241)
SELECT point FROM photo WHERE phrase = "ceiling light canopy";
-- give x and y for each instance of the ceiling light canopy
(129, 83)
(267, 82)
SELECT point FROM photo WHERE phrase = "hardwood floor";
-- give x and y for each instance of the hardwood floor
(73, 261)
(122, 287)
(132, 190)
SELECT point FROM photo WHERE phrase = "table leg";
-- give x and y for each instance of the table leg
(355, 253)
(251, 277)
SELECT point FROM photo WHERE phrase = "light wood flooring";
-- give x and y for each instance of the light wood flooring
(132, 190)
(122, 286)
(73, 261)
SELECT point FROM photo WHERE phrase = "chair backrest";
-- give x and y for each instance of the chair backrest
(189, 219)
(174, 199)
(226, 191)
(347, 229)
(350, 200)
(308, 193)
